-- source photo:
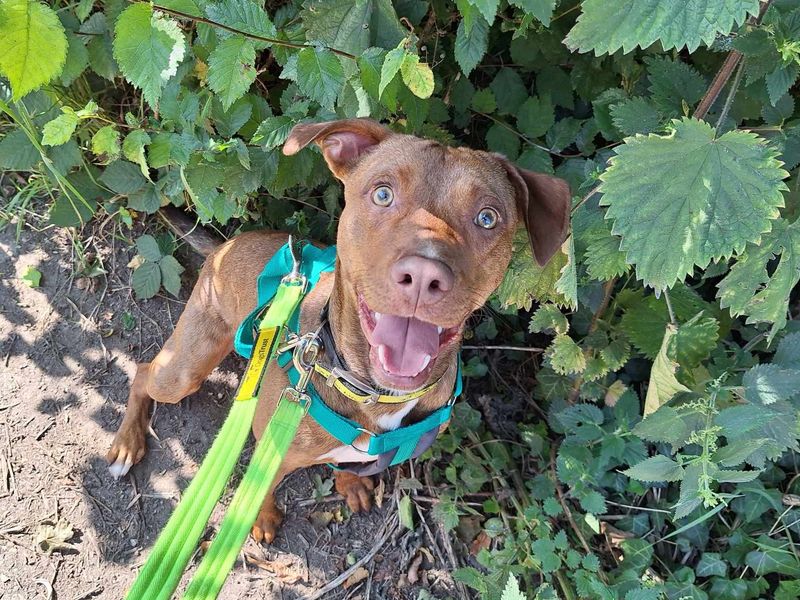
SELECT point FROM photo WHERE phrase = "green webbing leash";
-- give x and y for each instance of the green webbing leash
(162, 571)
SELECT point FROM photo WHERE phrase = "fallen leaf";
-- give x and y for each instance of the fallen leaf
(320, 519)
(32, 276)
(360, 574)
(50, 538)
(413, 570)
(379, 491)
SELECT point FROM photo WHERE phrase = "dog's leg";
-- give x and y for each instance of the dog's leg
(357, 491)
(199, 343)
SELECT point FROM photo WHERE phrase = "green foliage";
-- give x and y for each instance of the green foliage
(671, 298)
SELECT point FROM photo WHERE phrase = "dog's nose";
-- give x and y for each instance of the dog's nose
(422, 280)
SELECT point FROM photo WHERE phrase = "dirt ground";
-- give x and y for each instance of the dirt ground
(67, 354)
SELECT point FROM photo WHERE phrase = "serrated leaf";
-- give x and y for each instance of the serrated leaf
(17, 153)
(694, 341)
(605, 27)
(231, 69)
(148, 48)
(471, 46)
(50, 538)
(736, 421)
(616, 354)
(673, 83)
(541, 9)
(593, 503)
(669, 224)
(728, 476)
(487, 8)
(59, 130)
(664, 425)
(417, 76)
(688, 499)
(565, 356)
(27, 28)
(766, 384)
(548, 317)
(635, 115)
(370, 64)
(663, 383)
(750, 290)
(123, 177)
(133, 149)
(273, 131)
(535, 116)
(147, 246)
(106, 142)
(655, 468)
(525, 281)
(146, 280)
(320, 75)
(735, 454)
(390, 67)
(781, 80)
(242, 15)
(171, 271)
(77, 59)
(787, 354)
(446, 512)
(147, 199)
(603, 258)
(511, 590)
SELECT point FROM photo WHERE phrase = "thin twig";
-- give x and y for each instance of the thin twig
(252, 36)
(512, 348)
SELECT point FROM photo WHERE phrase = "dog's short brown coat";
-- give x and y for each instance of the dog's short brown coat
(438, 191)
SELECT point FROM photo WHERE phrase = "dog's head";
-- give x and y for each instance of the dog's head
(424, 238)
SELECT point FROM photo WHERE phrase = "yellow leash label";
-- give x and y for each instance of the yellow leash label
(258, 363)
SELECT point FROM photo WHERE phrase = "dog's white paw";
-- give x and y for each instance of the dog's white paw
(119, 467)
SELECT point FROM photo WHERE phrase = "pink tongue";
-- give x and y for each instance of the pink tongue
(407, 342)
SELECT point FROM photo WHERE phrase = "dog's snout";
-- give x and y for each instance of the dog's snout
(422, 280)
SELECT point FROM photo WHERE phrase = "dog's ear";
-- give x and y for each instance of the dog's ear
(342, 142)
(543, 203)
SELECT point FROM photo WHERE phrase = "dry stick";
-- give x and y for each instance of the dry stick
(608, 288)
(512, 348)
(252, 36)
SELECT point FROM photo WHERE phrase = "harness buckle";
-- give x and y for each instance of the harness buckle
(292, 394)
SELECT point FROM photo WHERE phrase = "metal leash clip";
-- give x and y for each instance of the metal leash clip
(294, 277)
(304, 357)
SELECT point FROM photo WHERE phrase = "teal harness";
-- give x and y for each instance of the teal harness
(388, 448)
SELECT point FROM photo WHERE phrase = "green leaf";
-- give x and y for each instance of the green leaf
(655, 468)
(788, 353)
(525, 281)
(689, 499)
(123, 177)
(669, 224)
(774, 556)
(320, 75)
(77, 59)
(593, 503)
(106, 142)
(391, 66)
(446, 512)
(565, 356)
(148, 48)
(603, 258)
(548, 317)
(711, 564)
(605, 27)
(541, 9)
(32, 277)
(664, 425)
(616, 354)
(417, 76)
(484, 101)
(133, 149)
(535, 116)
(780, 81)
(509, 90)
(406, 512)
(17, 153)
(567, 284)
(146, 280)
(147, 199)
(231, 69)
(273, 132)
(147, 246)
(59, 130)
(694, 341)
(724, 476)
(511, 591)
(472, 45)
(750, 290)
(243, 15)
(171, 271)
(766, 384)
(735, 454)
(33, 45)
(663, 383)
(636, 115)
(673, 83)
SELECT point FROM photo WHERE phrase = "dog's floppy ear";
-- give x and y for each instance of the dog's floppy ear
(544, 203)
(342, 142)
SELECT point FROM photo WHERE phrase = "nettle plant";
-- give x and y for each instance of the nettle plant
(656, 455)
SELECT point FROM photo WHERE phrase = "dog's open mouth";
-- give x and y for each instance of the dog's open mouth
(403, 350)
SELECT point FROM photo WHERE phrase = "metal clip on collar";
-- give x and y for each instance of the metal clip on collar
(294, 277)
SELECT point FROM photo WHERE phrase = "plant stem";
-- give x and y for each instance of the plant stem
(731, 93)
(672, 318)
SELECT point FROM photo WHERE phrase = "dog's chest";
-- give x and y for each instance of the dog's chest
(357, 452)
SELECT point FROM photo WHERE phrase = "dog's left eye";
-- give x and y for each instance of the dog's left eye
(383, 195)
(487, 218)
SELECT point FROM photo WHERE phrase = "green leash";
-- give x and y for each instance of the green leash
(175, 545)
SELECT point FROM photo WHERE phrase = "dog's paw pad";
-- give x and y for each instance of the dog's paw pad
(267, 524)
(357, 492)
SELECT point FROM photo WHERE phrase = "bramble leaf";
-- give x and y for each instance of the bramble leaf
(59, 130)
(231, 69)
(605, 27)
(106, 142)
(470, 47)
(671, 224)
(243, 15)
(133, 149)
(146, 280)
(320, 75)
(33, 45)
(171, 271)
(417, 76)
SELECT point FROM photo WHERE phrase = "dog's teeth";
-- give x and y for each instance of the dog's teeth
(441, 329)
(425, 363)
(382, 356)
(377, 316)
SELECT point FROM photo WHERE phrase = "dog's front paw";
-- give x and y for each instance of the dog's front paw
(128, 448)
(268, 522)
(357, 491)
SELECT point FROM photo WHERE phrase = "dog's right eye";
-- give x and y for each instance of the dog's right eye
(383, 195)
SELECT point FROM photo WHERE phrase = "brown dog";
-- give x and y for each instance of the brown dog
(424, 238)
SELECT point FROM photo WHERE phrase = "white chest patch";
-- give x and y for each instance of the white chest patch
(387, 422)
